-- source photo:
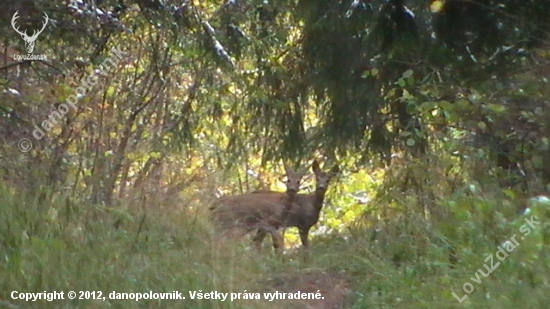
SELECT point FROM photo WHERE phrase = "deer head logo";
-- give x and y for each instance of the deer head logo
(29, 40)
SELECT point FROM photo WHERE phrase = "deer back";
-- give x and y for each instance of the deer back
(249, 211)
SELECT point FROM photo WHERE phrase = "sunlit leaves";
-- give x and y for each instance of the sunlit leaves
(436, 6)
(482, 125)
(496, 108)
(406, 79)
(374, 73)
(401, 82)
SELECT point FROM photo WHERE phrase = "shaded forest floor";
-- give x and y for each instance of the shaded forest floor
(58, 246)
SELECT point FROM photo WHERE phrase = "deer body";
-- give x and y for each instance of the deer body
(251, 211)
(264, 211)
(305, 209)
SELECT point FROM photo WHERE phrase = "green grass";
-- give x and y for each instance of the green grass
(57, 246)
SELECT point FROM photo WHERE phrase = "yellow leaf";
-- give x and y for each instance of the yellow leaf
(436, 6)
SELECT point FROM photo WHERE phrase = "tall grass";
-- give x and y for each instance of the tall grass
(52, 244)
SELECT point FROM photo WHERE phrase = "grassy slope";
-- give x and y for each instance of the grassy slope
(58, 247)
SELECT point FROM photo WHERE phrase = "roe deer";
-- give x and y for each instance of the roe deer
(305, 209)
(265, 211)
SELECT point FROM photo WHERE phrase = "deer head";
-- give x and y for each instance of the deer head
(293, 180)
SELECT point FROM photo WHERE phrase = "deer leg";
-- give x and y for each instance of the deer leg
(260, 235)
(304, 237)
(277, 239)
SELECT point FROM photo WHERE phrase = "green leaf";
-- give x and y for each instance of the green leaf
(509, 193)
(410, 142)
(374, 72)
(445, 105)
(545, 143)
(496, 108)
(408, 73)
(537, 162)
(426, 106)
(155, 155)
(463, 103)
(411, 108)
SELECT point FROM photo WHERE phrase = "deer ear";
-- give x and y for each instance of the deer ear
(315, 167)
(288, 169)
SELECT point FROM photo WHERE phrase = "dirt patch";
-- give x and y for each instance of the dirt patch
(333, 287)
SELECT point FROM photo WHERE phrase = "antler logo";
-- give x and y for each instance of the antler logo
(29, 40)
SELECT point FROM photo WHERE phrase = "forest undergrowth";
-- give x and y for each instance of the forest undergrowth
(51, 243)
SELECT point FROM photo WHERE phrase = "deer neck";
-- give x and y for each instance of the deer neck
(288, 200)
(318, 198)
